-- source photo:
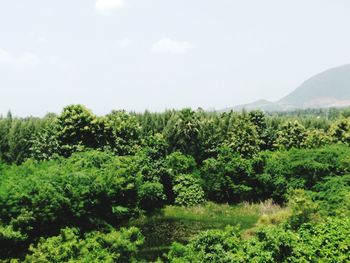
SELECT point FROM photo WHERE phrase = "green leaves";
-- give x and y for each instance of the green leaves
(182, 132)
(291, 135)
(244, 137)
(320, 242)
(188, 191)
(9, 240)
(95, 173)
(340, 131)
(151, 195)
(115, 246)
(77, 129)
(227, 177)
(122, 133)
(86, 190)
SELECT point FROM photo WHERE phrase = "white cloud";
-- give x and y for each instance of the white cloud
(20, 61)
(107, 6)
(168, 45)
(124, 42)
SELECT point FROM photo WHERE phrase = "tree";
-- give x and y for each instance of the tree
(340, 131)
(20, 138)
(210, 138)
(123, 133)
(291, 135)
(258, 119)
(87, 190)
(243, 137)
(5, 126)
(76, 129)
(45, 144)
(182, 132)
(227, 177)
(316, 139)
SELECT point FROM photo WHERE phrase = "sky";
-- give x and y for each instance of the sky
(163, 54)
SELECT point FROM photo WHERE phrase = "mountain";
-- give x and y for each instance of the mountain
(330, 88)
(327, 88)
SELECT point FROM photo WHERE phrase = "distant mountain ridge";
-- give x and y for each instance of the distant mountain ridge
(330, 88)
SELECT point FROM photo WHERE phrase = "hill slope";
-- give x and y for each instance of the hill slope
(329, 87)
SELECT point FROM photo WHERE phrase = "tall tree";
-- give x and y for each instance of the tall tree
(182, 132)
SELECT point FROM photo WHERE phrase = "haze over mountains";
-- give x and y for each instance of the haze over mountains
(330, 88)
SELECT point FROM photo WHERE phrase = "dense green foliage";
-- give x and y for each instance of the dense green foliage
(68, 183)
(326, 241)
(195, 133)
(115, 246)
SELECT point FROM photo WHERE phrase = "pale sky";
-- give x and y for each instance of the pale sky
(161, 54)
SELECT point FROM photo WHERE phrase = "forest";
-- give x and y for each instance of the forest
(177, 186)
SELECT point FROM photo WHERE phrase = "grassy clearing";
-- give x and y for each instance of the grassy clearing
(215, 214)
(180, 224)
(269, 214)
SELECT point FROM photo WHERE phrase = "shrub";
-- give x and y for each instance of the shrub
(10, 240)
(303, 209)
(151, 195)
(209, 246)
(188, 191)
(333, 196)
(300, 168)
(115, 246)
(177, 163)
(317, 242)
(227, 178)
(82, 191)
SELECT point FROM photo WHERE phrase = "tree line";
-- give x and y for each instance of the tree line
(197, 133)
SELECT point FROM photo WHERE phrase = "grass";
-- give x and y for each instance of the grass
(180, 224)
(217, 214)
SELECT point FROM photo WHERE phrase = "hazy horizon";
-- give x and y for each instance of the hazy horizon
(161, 54)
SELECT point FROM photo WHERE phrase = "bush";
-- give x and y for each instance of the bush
(178, 163)
(333, 196)
(209, 246)
(300, 168)
(116, 246)
(10, 240)
(86, 190)
(325, 242)
(188, 191)
(227, 178)
(317, 242)
(151, 195)
(303, 209)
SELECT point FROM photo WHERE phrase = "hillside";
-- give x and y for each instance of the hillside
(330, 88)
(327, 88)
